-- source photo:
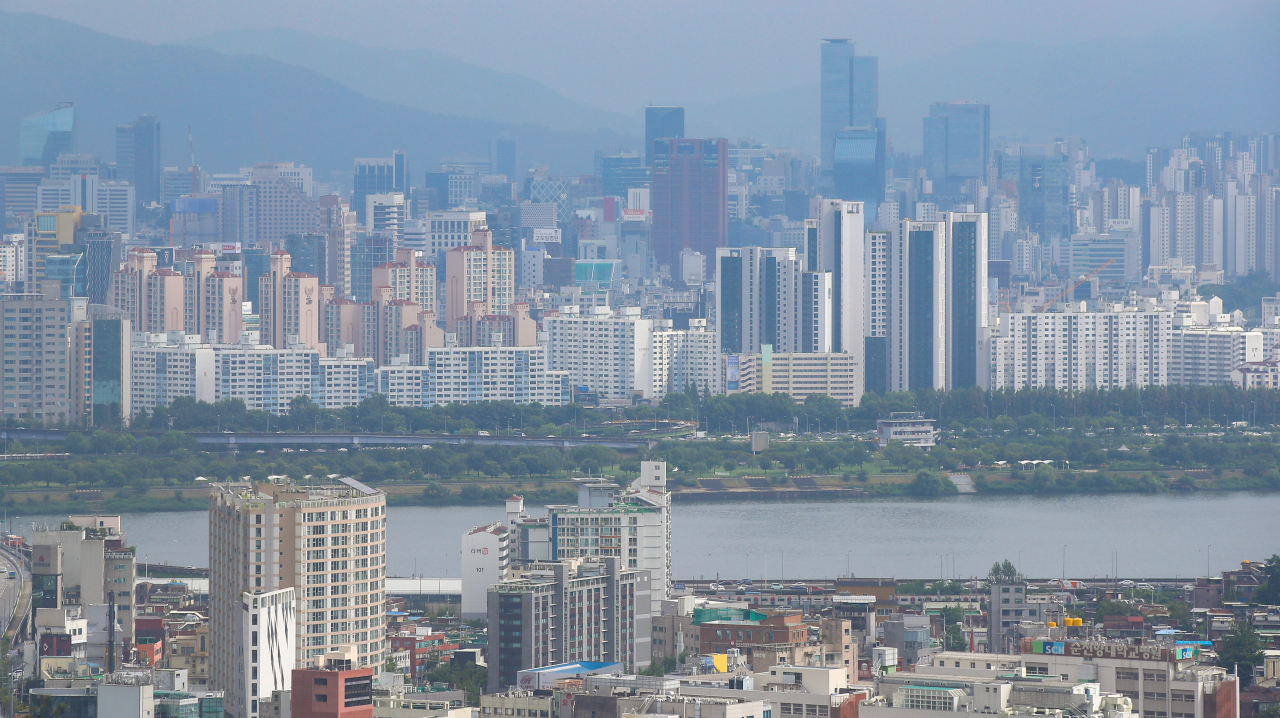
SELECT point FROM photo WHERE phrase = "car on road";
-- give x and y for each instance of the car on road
(775, 587)
(745, 582)
(799, 587)
(13, 574)
(716, 587)
(1126, 583)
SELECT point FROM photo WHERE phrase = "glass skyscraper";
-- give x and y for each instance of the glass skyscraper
(853, 137)
(661, 123)
(957, 140)
(45, 135)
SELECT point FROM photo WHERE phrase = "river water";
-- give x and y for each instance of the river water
(1155, 536)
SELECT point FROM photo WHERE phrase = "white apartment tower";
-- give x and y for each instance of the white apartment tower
(327, 543)
(613, 355)
(633, 525)
(917, 355)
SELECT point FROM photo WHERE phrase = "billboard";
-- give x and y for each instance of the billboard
(634, 215)
(732, 373)
(546, 236)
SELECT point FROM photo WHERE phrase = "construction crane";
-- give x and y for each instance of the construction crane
(1067, 292)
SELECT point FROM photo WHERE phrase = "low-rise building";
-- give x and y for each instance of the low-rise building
(909, 427)
(839, 376)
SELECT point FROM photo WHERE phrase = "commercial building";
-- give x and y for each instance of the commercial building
(46, 134)
(453, 228)
(100, 390)
(338, 688)
(661, 123)
(909, 427)
(568, 610)
(957, 141)
(325, 544)
(379, 175)
(138, 159)
(840, 376)
(689, 197)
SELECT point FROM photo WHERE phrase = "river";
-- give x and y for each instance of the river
(1164, 535)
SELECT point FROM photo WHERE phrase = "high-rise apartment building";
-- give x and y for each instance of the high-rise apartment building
(324, 542)
(269, 207)
(552, 612)
(138, 157)
(46, 134)
(379, 175)
(408, 279)
(876, 271)
(478, 272)
(38, 380)
(967, 295)
(471, 375)
(611, 355)
(684, 358)
(767, 295)
(835, 243)
(957, 141)
(689, 194)
(661, 123)
(636, 525)
(288, 305)
(918, 306)
(1078, 351)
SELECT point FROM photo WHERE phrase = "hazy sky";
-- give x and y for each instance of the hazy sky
(620, 56)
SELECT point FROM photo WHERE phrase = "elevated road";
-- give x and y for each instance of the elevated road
(358, 440)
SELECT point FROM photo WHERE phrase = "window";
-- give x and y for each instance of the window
(321, 698)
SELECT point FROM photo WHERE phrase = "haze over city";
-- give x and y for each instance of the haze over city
(670, 360)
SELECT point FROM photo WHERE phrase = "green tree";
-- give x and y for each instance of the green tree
(956, 639)
(927, 483)
(1241, 650)
(1004, 573)
(1269, 592)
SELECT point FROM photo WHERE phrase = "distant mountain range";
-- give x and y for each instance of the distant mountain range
(243, 108)
(423, 79)
(1120, 95)
(286, 95)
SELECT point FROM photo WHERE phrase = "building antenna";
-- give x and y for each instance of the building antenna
(195, 174)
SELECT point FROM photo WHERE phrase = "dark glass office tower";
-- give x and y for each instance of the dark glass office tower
(920, 335)
(138, 157)
(504, 158)
(618, 173)
(957, 141)
(661, 123)
(964, 305)
(859, 166)
(45, 135)
(377, 175)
